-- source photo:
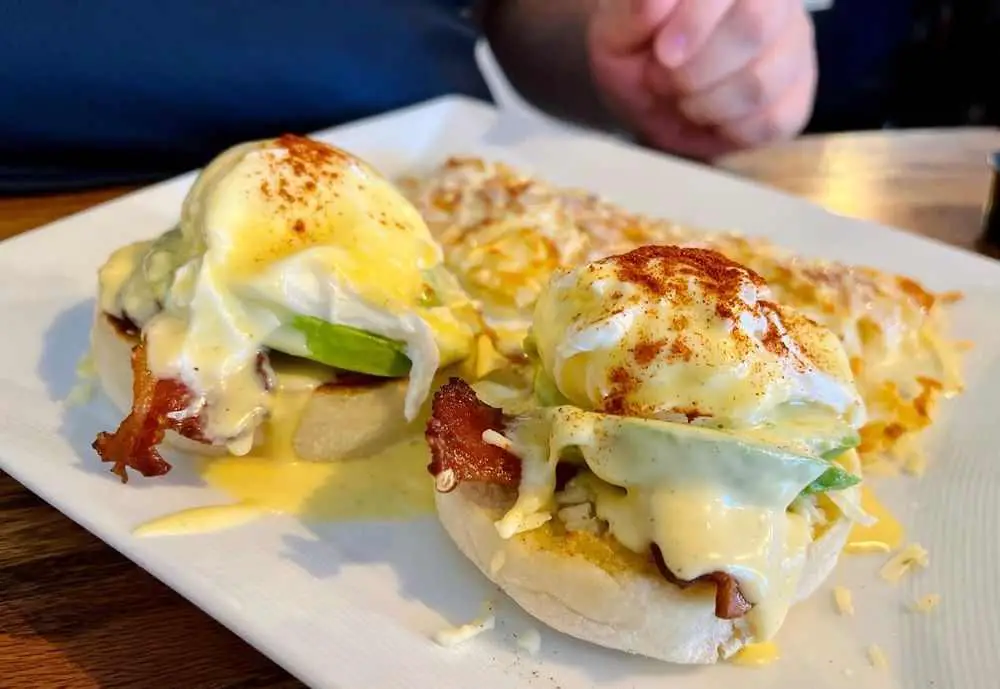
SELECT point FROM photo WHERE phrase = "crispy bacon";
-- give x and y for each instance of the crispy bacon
(455, 437)
(133, 445)
(729, 601)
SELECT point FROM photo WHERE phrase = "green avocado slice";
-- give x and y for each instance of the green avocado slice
(351, 349)
(546, 391)
(834, 478)
(624, 451)
(848, 442)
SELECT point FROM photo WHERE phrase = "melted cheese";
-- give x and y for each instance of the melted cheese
(913, 555)
(877, 658)
(926, 603)
(844, 600)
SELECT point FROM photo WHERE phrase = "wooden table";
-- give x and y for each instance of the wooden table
(74, 613)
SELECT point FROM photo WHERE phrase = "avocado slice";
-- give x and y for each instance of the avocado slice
(825, 437)
(351, 349)
(546, 391)
(847, 442)
(630, 452)
(834, 478)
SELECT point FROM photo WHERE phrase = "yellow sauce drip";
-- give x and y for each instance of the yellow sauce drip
(763, 653)
(883, 536)
(199, 520)
(392, 483)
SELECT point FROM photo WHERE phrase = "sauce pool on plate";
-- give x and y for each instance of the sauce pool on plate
(884, 536)
(390, 484)
(763, 653)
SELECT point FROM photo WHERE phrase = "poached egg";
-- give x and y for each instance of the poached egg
(270, 232)
(701, 417)
(680, 334)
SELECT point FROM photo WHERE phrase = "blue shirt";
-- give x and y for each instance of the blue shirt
(102, 92)
(858, 42)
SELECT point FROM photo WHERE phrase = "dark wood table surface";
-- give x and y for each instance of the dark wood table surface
(76, 614)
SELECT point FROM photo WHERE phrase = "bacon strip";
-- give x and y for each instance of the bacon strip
(455, 437)
(133, 445)
(729, 601)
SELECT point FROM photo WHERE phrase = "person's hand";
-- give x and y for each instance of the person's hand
(704, 77)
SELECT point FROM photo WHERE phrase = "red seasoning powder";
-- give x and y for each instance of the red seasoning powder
(664, 273)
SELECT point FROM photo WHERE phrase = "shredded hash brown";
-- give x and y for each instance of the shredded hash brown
(504, 233)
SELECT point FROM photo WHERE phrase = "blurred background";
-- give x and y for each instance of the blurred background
(908, 63)
(104, 92)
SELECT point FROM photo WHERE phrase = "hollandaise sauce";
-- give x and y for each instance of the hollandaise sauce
(884, 536)
(200, 520)
(391, 483)
(763, 653)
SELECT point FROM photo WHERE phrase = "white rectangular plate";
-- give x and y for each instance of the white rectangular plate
(354, 605)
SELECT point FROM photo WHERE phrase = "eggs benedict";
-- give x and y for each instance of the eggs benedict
(682, 471)
(295, 265)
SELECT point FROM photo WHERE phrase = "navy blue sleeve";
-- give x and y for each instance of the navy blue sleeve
(857, 42)
(109, 91)
(101, 92)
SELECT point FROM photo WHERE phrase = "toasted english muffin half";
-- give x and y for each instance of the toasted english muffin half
(591, 587)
